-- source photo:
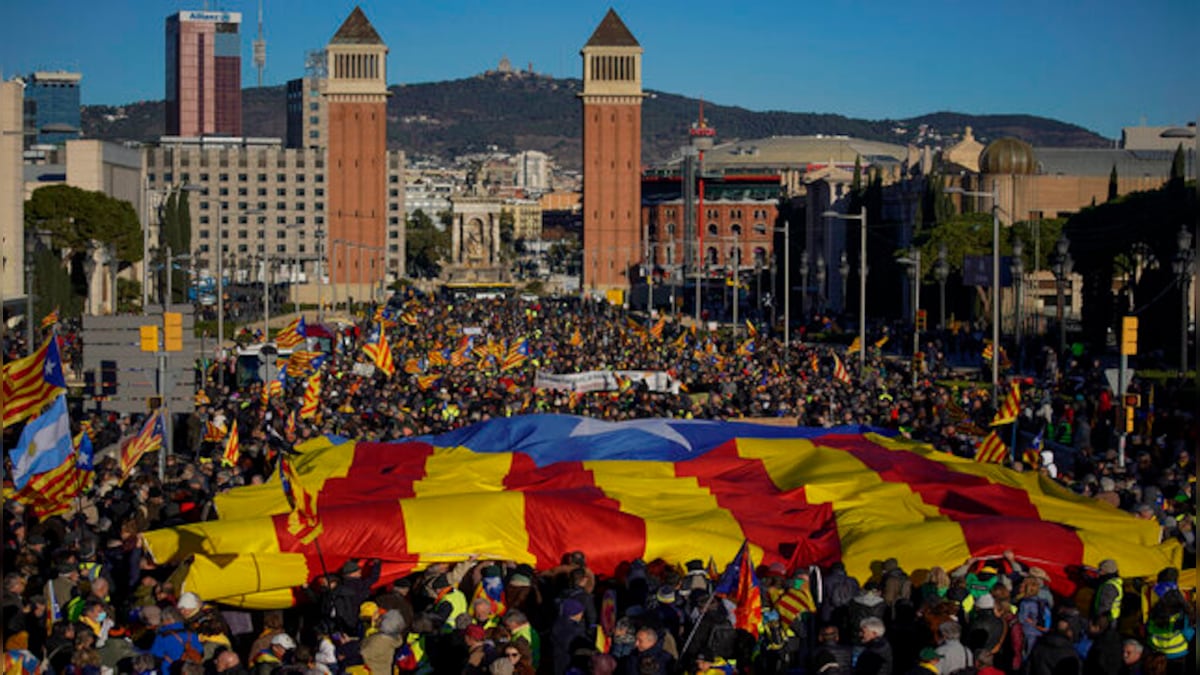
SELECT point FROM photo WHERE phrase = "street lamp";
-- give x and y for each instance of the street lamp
(803, 286)
(1017, 267)
(1061, 265)
(862, 283)
(995, 195)
(1181, 265)
(844, 275)
(913, 260)
(1192, 131)
(941, 270)
(820, 294)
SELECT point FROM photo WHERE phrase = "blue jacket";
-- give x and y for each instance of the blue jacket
(169, 643)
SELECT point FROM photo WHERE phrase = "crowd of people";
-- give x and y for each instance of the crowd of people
(80, 595)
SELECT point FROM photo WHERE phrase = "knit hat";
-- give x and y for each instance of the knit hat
(665, 595)
(188, 601)
(1108, 566)
(368, 610)
(475, 632)
(929, 654)
(519, 580)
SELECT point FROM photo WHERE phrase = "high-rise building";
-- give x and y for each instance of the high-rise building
(306, 126)
(12, 193)
(204, 74)
(52, 108)
(356, 108)
(612, 156)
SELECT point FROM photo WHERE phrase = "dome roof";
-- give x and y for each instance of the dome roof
(1008, 155)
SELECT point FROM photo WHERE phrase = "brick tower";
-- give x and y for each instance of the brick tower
(356, 100)
(612, 156)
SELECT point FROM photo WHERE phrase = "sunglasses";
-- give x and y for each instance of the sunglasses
(512, 654)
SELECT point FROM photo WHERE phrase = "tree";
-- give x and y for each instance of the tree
(426, 246)
(77, 222)
(1112, 183)
(856, 184)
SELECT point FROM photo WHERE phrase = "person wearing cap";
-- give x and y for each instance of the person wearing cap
(347, 593)
(480, 652)
(275, 655)
(189, 605)
(1110, 591)
(953, 655)
(449, 603)
(567, 634)
(173, 640)
(985, 630)
(707, 663)
(927, 662)
(577, 589)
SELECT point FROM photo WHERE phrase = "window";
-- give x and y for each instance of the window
(300, 192)
(204, 234)
(314, 106)
(204, 248)
(168, 177)
(712, 229)
(262, 192)
(262, 205)
(281, 220)
(393, 193)
(203, 206)
(223, 192)
(319, 192)
(760, 228)
(280, 177)
(320, 178)
(393, 179)
(299, 206)
(150, 177)
(204, 178)
(320, 220)
(260, 234)
(299, 178)
(243, 234)
(300, 221)
(393, 221)
(242, 206)
(320, 206)
(279, 206)
(736, 229)
(262, 177)
(242, 248)
(314, 134)
(280, 192)
(203, 220)
(242, 192)
(224, 177)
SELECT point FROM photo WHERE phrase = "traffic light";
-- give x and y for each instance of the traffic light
(1129, 330)
(108, 378)
(921, 319)
(919, 362)
(1128, 420)
(149, 338)
(172, 332)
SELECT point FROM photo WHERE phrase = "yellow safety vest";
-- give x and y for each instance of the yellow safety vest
(1168, 640)
(1116, 583)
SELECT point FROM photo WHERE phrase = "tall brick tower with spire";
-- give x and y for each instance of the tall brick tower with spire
(612, 156)
(356, 161)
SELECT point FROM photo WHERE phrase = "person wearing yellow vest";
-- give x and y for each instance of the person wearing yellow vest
(1110, 591)
(449, 603)
(1168, 631)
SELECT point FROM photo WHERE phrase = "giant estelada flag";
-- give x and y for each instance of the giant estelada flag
(533, 487)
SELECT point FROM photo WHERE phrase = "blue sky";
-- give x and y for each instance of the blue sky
(1102, 64)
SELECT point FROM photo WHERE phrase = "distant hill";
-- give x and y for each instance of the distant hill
(532, 112)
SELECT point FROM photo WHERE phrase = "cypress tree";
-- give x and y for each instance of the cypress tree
(1112, 183)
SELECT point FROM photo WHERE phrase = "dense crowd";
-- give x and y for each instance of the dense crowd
(120, 611)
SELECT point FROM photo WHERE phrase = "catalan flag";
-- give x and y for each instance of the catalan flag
(50, 319)
(45, 443)
(303, 523)
(680, 342)
(881, 342)
(289, 429)
(1008, 412)
(865, 496)
(518, 353)
(751, 330)
(426, 382)
(214, 433)
(814, 362)
(52, 493)
(747, 348)
(854, 347)
(232, 451)
(293, 334)
(740, 585)
(839, 371)
(312, 397)
(991, 449)
(656, 330)
(576, 338)
(795, 602)
(413, 366)
(148, 439)
(380, 351)
(437, 357)
(302, 362)
(31, 383)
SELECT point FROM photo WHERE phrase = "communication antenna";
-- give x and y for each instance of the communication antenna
(260, 47)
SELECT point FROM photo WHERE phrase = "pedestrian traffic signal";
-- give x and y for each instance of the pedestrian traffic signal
(921, 319)
(1129, 420)
(919, 362)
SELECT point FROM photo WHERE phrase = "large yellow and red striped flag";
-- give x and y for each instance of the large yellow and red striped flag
(31, 383)
(233, 450)
(148, 439)
(799, 495)
(1008, 412)
(301, 362)
(991, 449)
(50, 319)
(312, 397)
(380, 351)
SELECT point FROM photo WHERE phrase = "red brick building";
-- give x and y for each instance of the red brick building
(356, 96)
(612, 156)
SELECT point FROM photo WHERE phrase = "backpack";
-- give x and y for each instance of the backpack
(190, 654)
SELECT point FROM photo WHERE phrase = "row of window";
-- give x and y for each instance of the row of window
(756, 214)
(186, 177)
(712, 256)
(735, 230)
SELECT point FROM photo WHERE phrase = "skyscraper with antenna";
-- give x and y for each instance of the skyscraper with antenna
(260, 47)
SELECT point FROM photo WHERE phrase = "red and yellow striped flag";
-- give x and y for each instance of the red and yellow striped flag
(854, 346)
(312, 397)
(1007, 414)
(991, 450)
(149, 439)
(232, 447)
(381, 353)
(839, 371)
(656, 330)
(576, 338)
(1032, 458)
(793, 603)
(50, 319)
(31, 383)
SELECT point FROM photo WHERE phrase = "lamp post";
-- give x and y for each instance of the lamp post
(844, 275)
(862, 283)
(941, 270)
(913, 260)
(1017, 267)
(1061, 265)
(803, 285)
(820, 278)
(787, 284)
(1192, 131)
(1181, 265)
(995, 195)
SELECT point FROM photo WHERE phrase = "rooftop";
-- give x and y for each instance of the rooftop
(612, 33)
(356, 30)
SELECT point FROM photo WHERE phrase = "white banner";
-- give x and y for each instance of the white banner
(605, 380)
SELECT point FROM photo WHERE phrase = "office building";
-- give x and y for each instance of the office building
(12, 202)
(52, 107)
(203, 74)
(612, 156)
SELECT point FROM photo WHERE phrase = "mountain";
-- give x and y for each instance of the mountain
(523, 111)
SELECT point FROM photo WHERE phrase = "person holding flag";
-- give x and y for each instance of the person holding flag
(149, 439)
(45, 444)
(232, 451)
